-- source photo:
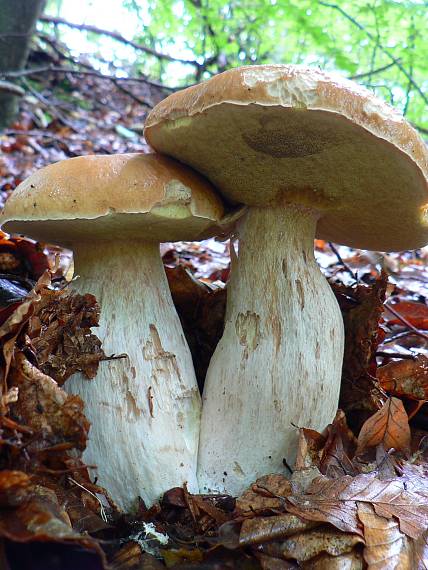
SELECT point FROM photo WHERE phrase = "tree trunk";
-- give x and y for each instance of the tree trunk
(17, 21)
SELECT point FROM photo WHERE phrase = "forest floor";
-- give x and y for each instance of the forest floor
(358, 495)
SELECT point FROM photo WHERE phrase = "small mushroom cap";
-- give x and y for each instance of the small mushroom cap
(106, 197)
(284, 134)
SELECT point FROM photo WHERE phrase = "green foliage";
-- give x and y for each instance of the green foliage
(355, 38)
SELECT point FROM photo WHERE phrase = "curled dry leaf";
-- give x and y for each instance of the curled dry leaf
(389, 426)
(335, 501)
(307, 545)
(349, 561)
(55, 416)
(266, 494)
(15, 488)
(385, 545)
(41, 519)
(264, 529)
(61, 337)
(406, 378)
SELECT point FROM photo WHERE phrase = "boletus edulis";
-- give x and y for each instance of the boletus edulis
(311, 154)
(113, 211)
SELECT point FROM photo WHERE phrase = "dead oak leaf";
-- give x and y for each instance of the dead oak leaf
(336, 500)
(388, 426)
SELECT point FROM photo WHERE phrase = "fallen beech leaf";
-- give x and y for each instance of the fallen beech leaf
(339, 449)
(386, 546)
(309, 449)
(42, 405)
(41, 519)
(264, 495)
(61, 337)
(388, 426)
(15, 488)
(406, 378)
(264, 529)
(131, 557)
(415, 313)
(307, 545)
(335, 501)
(349, 561)
(269, 563)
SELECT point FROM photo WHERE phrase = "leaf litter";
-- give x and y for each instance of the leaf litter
(358, 495)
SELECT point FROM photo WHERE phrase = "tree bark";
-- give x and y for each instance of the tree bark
(17, 22)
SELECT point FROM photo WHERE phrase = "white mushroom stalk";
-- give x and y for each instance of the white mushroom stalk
(145, 409)
(278, 364)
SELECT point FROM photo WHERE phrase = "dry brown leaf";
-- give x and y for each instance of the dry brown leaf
(335, 501)
(269, 563)
(15, 488)
(41, 518)
(386, 547)
(350, 561)
(307, 545)
(61, 337)
(263, 529)
(405, 378)
(362, 335)
(389, 426)
(54, 415)
(266, 494)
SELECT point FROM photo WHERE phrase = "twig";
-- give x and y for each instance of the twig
(405, 321)
(396, 355)
(118, 37)
(55, 69)
(373, 71)
(7, 87)
(53, 44)
(398, 336)
(102, 510)
(345, 266)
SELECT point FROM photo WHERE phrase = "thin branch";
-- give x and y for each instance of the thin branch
(405, 321)
(118, 37)
(373, 71)
(7, 87)
(381, 47)
(345, 266)
(93, 73)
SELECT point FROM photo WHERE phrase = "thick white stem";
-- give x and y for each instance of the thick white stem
(145, 409)
(280, 358)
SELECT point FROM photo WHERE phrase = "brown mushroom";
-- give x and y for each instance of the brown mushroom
(312, 154)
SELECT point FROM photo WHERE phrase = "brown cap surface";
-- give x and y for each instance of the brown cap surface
(283, 134)
(139, 196)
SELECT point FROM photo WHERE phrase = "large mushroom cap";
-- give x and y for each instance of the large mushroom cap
(279, 134)
(124, 196)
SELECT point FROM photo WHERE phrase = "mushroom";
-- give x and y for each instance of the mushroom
(113, 211)
(311, 154)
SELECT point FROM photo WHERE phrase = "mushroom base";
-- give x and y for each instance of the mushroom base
(144, 409)
(278, 364)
